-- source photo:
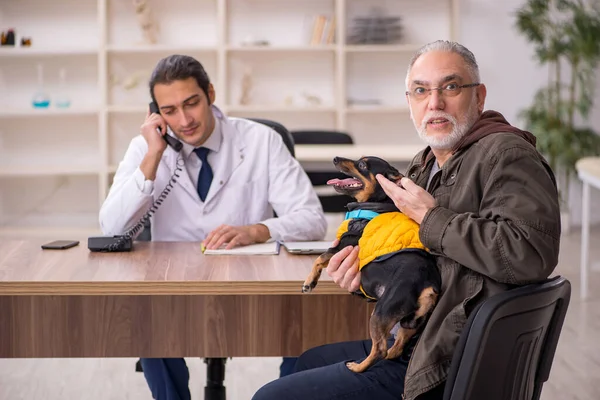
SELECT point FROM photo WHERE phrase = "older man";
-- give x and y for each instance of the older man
(487, 206)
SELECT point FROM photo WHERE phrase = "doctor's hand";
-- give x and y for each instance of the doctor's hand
(343, 268)
(156, 144)
(410, 198)
(236, 236)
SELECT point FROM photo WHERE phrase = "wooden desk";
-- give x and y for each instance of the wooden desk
(166, 300)
(588, 170)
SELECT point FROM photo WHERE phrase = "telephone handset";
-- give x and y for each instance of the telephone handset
(125, 242)
(174, 143)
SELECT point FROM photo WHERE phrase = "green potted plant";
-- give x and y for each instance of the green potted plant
(566, 37)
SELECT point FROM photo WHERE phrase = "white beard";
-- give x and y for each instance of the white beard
(459, 130)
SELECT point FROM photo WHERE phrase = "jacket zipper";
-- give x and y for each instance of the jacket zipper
(428, 189)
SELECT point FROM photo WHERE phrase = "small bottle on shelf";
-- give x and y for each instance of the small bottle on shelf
(62, 100)
(10, 38)
(40, 98)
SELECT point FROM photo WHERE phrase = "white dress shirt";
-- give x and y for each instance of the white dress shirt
(253, 175)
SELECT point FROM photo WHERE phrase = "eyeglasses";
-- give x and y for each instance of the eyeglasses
(449, 90)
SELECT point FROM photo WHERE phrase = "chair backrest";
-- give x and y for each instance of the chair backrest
(321, 137)
(507, 346)
(331, 202)
(287, 137)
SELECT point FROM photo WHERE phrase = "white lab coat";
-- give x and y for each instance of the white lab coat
(256, 175)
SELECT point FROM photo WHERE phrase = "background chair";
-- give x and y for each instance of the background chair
(287, 137)
(333, 202)
(507, 346)
(215, 367)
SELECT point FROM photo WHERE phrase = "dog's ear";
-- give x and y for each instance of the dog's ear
(394, 175)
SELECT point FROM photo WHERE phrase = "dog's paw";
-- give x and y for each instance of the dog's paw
(354, 367)
(308, 287)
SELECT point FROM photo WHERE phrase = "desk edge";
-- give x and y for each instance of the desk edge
(60, 288)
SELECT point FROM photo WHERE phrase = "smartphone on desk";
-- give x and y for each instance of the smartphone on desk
(171, 141)
(60, 244)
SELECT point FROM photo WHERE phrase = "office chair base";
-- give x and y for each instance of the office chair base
(138, 366)
(214, 393)
(215, 375)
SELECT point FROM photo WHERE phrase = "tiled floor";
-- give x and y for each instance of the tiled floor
(575, 372)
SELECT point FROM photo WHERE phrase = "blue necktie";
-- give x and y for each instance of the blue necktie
(205, 176)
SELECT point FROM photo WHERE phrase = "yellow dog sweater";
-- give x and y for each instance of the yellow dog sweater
(384, 233)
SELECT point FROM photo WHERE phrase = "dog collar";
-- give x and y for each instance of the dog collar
(365, 214)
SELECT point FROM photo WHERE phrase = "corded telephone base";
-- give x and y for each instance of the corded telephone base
(110, 243)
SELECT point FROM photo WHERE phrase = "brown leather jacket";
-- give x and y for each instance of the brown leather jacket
(496, 224)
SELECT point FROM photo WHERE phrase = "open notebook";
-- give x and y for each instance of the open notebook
(269, 248)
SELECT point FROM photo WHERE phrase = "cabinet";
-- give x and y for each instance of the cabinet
(56, 164)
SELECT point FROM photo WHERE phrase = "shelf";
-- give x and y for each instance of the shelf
(56, 165)
(376, 76)
(281, 23)
(377, 109)
(282, 82)
(154, 49)
(179, 22)
(128, 74)
(50, 202)
(46, 170)
(6, 51)
(283, 49)
(383, 48)
(48, 112)
(279, 109)
(129, 109)
(66, 233)
(326, 153)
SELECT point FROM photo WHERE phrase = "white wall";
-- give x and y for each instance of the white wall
(509, 71)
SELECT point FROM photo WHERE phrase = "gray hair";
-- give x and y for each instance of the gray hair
(452, 47)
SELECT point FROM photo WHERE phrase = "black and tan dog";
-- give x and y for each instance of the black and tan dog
(396, 269)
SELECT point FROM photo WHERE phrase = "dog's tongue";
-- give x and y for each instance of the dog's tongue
(342, 182)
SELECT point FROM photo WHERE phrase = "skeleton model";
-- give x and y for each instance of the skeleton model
(145, 18)
(245, 97)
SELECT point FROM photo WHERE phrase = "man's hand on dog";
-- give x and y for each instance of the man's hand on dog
(236, 236)
(410, 198)
(343, 268)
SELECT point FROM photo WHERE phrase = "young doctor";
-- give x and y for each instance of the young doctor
(234, 173)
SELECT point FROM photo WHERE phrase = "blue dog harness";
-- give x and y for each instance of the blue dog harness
(365, 214)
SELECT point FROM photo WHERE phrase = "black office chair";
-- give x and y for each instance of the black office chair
(507, 346)
(287, 137)
(333, 202)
